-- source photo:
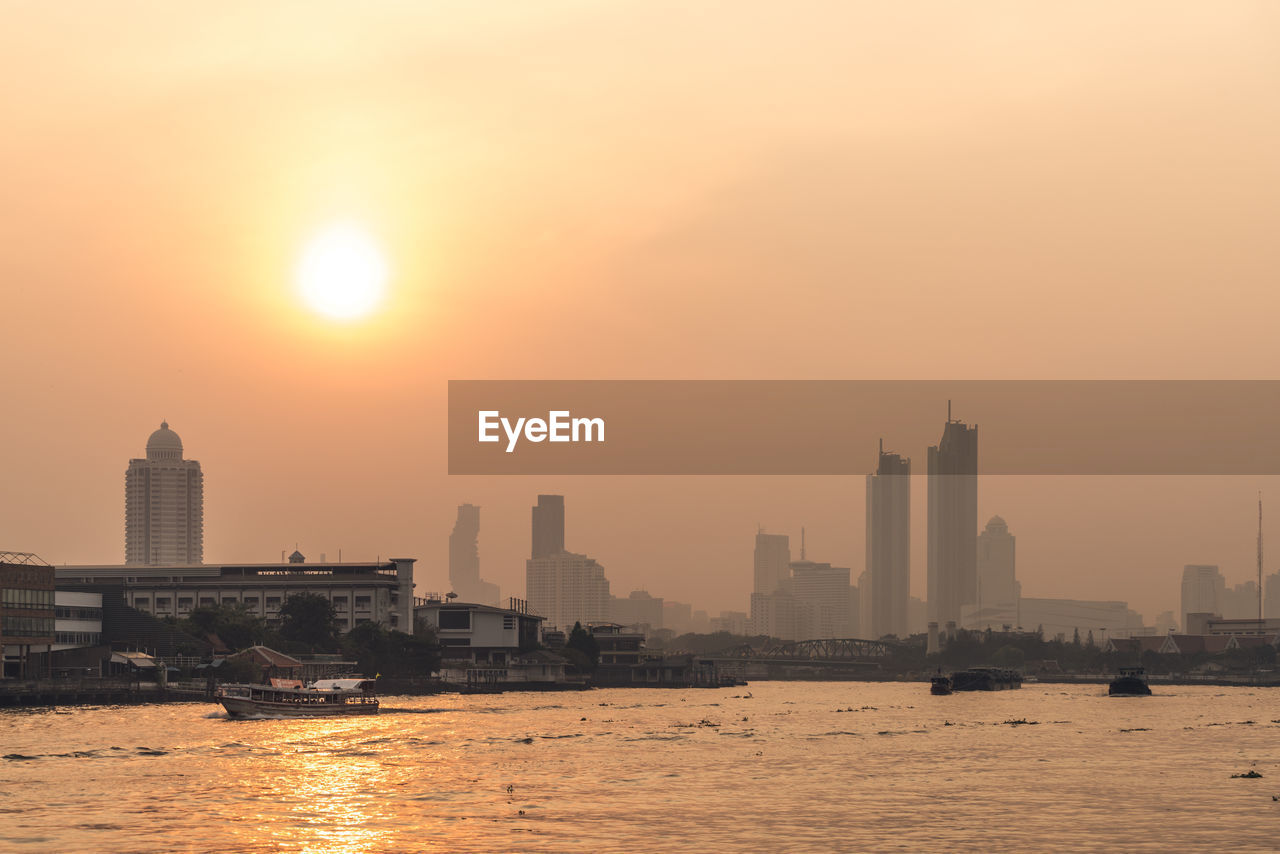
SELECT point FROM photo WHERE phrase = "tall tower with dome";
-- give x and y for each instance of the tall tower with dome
(164, 504)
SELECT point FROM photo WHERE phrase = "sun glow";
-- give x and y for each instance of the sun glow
(342, 273)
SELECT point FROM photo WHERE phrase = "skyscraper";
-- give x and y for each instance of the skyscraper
(772, 562)
(953, 521)
(567, 588)
(548, 526)
(888, 546)
(464, 559)
(1202, 588)
(997, 583)
(164, 504)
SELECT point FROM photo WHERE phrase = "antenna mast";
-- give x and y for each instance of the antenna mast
(1259, 560)
(802, 542)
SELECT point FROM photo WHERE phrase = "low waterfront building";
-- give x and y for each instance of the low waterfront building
(472, 633)
(618, 646)
(77, 619)
(360, 592)
(26, 612)
(536, 669)
(1212, 624)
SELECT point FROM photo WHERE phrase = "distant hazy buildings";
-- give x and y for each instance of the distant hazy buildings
(637, 609)
(733, 622)
(997, 583)
(164, 504)
(771, 580)
(826, 606)
(775, 615)
(464, 559)
(953, 522)
(772, 562)
(1066, 616)
(548, 526)
(1241, 601)
(566, 588)
(563, 587)
(888, 547)
(1271, 603)
(1202, 586)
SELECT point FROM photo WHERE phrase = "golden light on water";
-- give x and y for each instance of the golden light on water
(342, 273)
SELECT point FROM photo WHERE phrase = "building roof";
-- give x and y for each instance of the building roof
(1137, 644)
(164, 443)
(476, 606)
(1192, 644)
(269, 657)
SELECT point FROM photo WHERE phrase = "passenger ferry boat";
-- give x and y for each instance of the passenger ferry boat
(290, 698)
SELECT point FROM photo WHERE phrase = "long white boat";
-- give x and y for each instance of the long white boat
(290, 698)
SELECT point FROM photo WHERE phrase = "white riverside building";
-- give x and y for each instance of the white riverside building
(164, 504)
(361, 592)
(77, 619)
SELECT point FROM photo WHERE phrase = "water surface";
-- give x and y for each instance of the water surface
(770, 767)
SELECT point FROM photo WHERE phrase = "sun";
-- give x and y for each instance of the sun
(342, 273)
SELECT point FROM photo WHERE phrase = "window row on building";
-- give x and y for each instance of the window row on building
(19, 597)
(63, 612)
(164, 604)
(27, 626)
(78, 638)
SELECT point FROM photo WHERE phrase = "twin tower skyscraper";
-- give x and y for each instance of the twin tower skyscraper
(953, 532)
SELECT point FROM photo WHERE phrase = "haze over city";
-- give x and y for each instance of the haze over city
(906, 192)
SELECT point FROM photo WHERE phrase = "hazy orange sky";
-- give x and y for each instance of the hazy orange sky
(621, 190)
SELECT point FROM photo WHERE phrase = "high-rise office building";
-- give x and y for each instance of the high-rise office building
(566, 588)
(548, 526)
(888, 546)
(997, 583)
(464, 559)
(772, 563)
(1202, 587)
(953, 522)
(164, 504)
(826, 604)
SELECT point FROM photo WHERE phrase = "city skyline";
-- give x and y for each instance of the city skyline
(993, 558)
(1040, 193)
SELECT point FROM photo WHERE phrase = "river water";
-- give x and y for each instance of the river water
(775, 766)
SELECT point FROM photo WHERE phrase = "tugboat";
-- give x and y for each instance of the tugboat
(289, 698)
(940, 685)
(1132, 682)
(985, 679)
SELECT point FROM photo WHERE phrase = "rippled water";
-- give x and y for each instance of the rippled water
(770, 767)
